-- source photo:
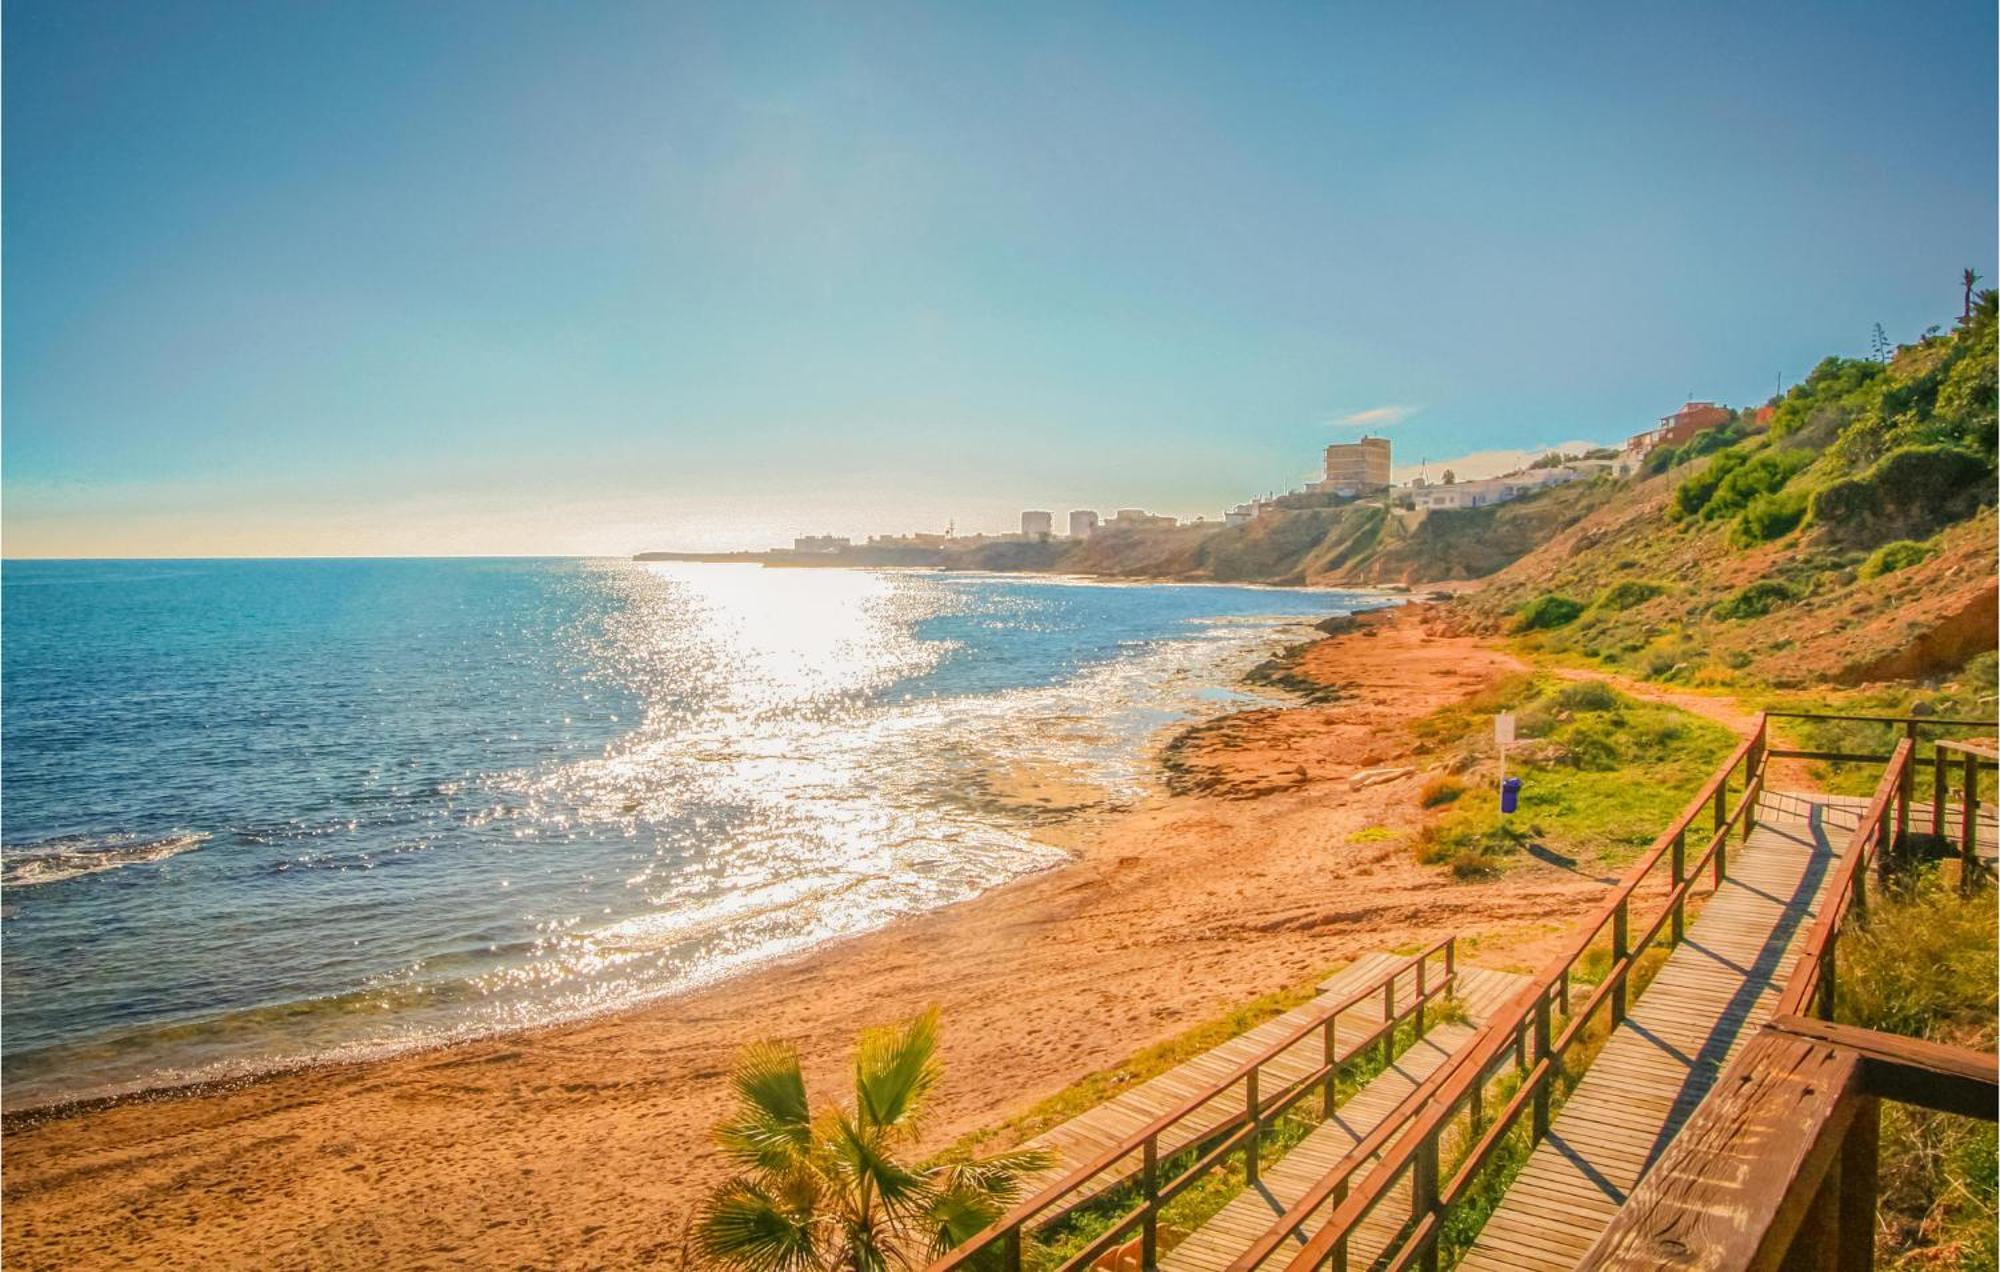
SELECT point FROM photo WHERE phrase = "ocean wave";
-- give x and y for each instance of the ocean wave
(66, 857)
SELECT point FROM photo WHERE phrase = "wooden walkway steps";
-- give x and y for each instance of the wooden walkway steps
(1281, 1183)
(1098, 1129)
(1712, 994)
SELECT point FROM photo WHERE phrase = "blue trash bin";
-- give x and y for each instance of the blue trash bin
(1510, 794)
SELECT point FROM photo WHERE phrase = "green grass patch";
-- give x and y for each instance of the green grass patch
(1601, 774)
(1891, 557)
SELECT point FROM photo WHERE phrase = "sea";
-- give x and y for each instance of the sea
(255, 814)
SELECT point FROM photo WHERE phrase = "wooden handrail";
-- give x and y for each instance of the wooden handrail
(1778, 1166)
(1419, 1122)
(1811, 974)
(1880, 719)
(1239, 1128)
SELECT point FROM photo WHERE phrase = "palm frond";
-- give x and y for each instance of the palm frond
(954, 1218)
(894, 1069)
(772, 1129)
(863, 1159)
(745, 1228)
(998, 1178)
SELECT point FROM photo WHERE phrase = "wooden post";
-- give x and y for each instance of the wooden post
(1968, 825)
(1011, 1249)
(1905, 787)
(1826, 975)
(1562, 988)
(1327, 1093)
(1937, 792)
(1814, 1245)
(1680, 875)
(1423, 994)
(1722, 803)
(1861, 893)
(1478, 1104)
(1859, 1150)
(1620, 939)
(1149, 1227)
(1389, 1020)
(1541, 1125)
(1423, 1196)
(1256, 1127)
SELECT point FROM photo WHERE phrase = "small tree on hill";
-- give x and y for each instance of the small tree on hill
(1971, 280)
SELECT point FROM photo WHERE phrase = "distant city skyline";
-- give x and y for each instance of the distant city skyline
(512, 279)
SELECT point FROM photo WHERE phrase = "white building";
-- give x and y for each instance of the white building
(1037, 525)
(1082, 523)
(1492, 490)
(1240, 515)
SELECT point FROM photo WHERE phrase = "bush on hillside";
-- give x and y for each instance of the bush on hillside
(1764, 474)
(1440, 790)
(1694, 492)
(1910, 491)
(1757, 600)
(1587, 695)
(1626, 594)
(1767, 517)
(1548, 610)
(1891, 557)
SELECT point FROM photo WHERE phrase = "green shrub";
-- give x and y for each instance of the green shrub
(1626, 594)
(1765, 474)
(1768, 516)
(1440, 790)
(1757, 600)
(1588, 695)
(1694, 492)
(1891, 557)
(1592, 746)
(1548, 610)
(1914, 489)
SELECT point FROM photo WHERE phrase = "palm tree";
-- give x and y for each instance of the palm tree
(1971, 280)
(826, 1192)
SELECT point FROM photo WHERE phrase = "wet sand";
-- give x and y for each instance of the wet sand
(587, 1145)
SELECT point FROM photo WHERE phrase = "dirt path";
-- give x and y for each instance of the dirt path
(588, 1145)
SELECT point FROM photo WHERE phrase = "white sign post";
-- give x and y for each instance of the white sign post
(1503, 733)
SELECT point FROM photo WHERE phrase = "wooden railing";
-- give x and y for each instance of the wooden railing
(1969, 759)
(1240, 1132)
(1777, 1168)
(1538, 1028)
(1873, 843)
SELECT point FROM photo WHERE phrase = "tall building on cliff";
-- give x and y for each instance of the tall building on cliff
(1356, 468)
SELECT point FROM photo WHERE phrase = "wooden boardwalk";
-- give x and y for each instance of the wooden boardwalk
(1281, 1183)
(1103, 1127)
(1712, 994)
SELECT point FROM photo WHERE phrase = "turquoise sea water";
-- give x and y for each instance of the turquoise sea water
(258, 813)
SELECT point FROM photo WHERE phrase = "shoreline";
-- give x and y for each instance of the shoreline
(1051, 809)
(587, 1140)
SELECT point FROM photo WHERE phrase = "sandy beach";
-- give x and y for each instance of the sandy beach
(587, 1145)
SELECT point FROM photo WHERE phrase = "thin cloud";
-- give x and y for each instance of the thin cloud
(1376, 416)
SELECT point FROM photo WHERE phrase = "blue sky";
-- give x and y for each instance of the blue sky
(492, 277)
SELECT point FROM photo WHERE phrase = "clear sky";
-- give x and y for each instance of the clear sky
(479, 276)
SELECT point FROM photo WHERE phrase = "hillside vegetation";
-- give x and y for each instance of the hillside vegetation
(1848, 538)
